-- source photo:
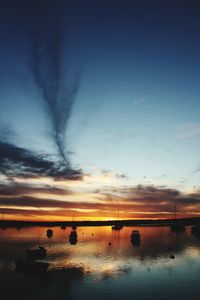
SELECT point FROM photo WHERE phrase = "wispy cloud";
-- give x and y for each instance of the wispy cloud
(139, 100)
(189, 131)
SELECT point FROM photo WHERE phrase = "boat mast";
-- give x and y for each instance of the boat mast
(175, 217)
(2, 225)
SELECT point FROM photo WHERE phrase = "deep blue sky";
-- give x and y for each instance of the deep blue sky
(136, 111)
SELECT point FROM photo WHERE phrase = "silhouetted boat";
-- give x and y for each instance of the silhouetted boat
(49, 233)
(29, 266)
(135, 236)
(117, 226)
(178, 225)
(73, 237)
(33, 254)
(73, 224)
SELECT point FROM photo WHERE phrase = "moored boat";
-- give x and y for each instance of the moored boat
(117, 227)
(135, 235)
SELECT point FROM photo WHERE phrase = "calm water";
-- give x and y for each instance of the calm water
(103, 264)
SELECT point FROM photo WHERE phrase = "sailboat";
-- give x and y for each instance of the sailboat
(73, 224)
(117, 225)
(178, 225)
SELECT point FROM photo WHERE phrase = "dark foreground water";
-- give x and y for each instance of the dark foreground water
(103, 264)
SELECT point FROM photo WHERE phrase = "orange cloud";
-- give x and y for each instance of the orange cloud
(60, 201)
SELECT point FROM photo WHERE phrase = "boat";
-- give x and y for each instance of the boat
(74, 227)
(29, 266)
(73, 237)
(135, 236)
(117, 226)
(33, 254)
(63, 227)
(177, 225)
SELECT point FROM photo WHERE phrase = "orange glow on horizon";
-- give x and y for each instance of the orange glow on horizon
(94, 198)
(98, 217)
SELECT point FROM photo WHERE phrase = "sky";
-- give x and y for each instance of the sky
(99, 109)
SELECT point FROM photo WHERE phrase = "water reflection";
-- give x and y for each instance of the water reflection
(73, 237)
(102, 254)
(177, 227)
(196, 231)
(155, 241)
(49, 233)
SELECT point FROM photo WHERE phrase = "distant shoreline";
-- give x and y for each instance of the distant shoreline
(159, 222)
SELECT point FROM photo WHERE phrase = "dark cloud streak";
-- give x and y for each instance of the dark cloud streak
(19, 189)
(17, 161)
(47, 43)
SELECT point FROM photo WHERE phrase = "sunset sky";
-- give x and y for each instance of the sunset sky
(99, 109)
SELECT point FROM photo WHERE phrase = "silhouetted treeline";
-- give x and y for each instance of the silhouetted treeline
(162, 222)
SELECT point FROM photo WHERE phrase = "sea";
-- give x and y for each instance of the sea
(101, 263)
